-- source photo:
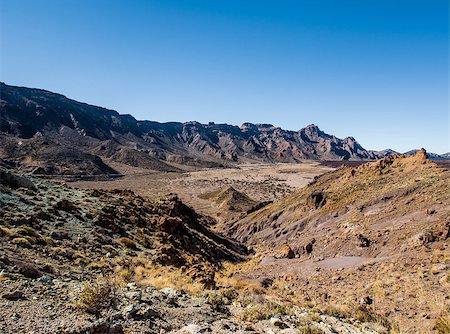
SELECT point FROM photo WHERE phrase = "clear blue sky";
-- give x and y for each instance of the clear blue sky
(377, 70)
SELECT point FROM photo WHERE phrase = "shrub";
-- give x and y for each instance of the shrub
(364, 314)
(31, 235)
(308, 329)
(442, 325)
(219, 299)
(93, 297)
(261, 312)
(4, 231)
(314, 317)
(22, 242)
(29, 270)
(102, 265)
(127, 242)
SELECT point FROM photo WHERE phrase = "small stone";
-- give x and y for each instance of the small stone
(194, 329)
(266, 282)
(131, 310)
(45, 280)
(363, 241)
(131, 286)
(367, 300)
(104, 326)
(170, 292)
(135, 295)
(277, 322)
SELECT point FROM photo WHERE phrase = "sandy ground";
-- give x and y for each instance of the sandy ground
(261, 182)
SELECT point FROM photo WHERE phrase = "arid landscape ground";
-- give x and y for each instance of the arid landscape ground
(224, 167)
(263, 248)
(113, 225)
(260, 182)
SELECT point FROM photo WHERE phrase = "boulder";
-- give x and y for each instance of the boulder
(317, 199)
(284, 252)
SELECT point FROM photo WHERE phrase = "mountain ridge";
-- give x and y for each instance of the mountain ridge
(29, 114)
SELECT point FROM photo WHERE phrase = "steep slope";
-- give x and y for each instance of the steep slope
(389, 187)
(100, 231)
(27, 114)
(379, 231)
(46, 156)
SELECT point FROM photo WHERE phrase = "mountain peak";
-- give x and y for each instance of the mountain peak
(121, 138)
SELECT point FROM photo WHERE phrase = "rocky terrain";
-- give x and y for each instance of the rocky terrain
(47, 133)
(91, 261)
(360, 249)
(212, 228)
(377, 234)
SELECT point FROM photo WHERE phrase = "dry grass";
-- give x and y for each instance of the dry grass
(442, 325)
(95, 296)
(309, 329)
(262, 311)
(22, 242)
(146, 273)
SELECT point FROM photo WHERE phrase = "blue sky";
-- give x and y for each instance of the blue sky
(377, 70)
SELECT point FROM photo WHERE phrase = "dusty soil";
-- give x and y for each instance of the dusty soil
(261, 182)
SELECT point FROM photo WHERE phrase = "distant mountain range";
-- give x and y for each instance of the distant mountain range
(47, 133)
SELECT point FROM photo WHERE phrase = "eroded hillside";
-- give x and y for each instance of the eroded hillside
(107, 262)
(379, 231)
(94, 230)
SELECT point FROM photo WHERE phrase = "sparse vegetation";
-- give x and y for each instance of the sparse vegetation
(22, 242)
(4, 231)
(262, 311)
(95, 296)
(127, 242)
(157, 244)
(309, 329)
(219, 299)
(442, 325)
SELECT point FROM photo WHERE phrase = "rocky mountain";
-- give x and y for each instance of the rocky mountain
(356, 232)
(39, 127)
(79, 261)
(432, 156)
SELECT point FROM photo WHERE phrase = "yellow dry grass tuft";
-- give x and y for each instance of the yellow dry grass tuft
(95, 296)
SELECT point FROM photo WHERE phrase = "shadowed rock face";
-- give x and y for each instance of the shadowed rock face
(29, 114)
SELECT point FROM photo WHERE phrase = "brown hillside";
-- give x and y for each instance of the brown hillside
(380, 230)
(230, 199)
